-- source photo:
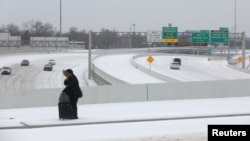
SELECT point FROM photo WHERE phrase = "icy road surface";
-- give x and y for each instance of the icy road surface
(33, 76)
(193, 68)
(120, 66)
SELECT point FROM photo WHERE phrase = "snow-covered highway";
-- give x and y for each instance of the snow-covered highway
(120, 66)
(33, 76)
(193, 68)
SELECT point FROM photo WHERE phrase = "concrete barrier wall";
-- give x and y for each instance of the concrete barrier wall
(29, 98)
(129, 93)
(199, 90)
(114, 94)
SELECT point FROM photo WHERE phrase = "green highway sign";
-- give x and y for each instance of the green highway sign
(219, 37)
(170, 34)
(201, 37)
(224, 29)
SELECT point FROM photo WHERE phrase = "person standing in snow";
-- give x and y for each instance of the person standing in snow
(72, 89)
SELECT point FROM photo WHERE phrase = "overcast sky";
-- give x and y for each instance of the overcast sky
(121, 14)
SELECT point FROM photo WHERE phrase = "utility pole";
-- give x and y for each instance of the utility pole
(235, 20)
(60, 18)
(133, 27)
(243, 49)
(90, 46)
(130, 40)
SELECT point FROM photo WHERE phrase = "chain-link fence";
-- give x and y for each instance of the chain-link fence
(109, 40)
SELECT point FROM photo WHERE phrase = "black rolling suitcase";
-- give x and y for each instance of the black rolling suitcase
(64, 107)
(65, 111)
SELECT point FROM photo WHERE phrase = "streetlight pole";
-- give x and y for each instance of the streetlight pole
(131, 35)
(133, 27)
(235, 30)
(60, 18)
(130, 41)
(90, 47)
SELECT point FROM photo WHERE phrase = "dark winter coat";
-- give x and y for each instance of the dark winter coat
(72, 87)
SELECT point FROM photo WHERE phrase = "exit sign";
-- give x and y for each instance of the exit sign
(170, 34)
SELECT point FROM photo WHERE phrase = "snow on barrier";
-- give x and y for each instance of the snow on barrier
(109, 79)
(103, 78)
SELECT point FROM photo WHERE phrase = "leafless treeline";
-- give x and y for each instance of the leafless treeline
(103, 39)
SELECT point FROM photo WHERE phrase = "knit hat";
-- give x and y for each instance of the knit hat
(65, 73)
(70, 71)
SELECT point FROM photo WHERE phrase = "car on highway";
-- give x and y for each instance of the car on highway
(25, 62)
(6, 71)
(175, 65)
(48, 67)
(52, 62)
(178, 60)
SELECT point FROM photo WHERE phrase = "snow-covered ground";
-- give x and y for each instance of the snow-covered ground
(161, 120)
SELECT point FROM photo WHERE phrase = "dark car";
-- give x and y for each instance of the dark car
(178, 60)
(48, 67)
(25, 62)
(6, 71)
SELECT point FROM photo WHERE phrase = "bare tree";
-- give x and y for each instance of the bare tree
(3, 28)
(75, 35)
(13, 30)
(48, 30)
(37, 28)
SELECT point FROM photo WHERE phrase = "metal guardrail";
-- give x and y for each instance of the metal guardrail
(20, 43)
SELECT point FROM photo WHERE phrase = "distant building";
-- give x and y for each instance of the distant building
(6, 40)
(77, 44)
(49, 41)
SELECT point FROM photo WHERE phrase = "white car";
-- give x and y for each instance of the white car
(52, 62)
(175, 65)
(6, 71)
(48, 67)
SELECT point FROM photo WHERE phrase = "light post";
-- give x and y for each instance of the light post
(133, 27)
(60, 18)
(130, 40)
(89, 62)
(8, 40)
(131, 35)
(235, 30)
